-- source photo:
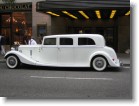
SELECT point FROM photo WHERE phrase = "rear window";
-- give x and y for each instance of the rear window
(66, 41)
(86, 41)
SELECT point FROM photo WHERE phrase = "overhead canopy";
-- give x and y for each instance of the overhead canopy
(87, 6)
(80, 4)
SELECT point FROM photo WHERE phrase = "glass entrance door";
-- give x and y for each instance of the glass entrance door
(6, 33)
(5, 27)
(108, 33)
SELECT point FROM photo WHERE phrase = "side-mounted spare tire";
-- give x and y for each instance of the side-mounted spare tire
(12, 61)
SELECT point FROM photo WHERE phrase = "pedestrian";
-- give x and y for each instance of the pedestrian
(31, 41)
(25, 40)
(40, 38)
(2, 49)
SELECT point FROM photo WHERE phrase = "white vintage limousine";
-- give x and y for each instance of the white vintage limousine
(72, 50)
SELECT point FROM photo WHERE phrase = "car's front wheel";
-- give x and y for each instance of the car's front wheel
(12, 61)
(99, 63)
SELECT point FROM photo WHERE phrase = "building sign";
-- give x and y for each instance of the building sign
(15, 7)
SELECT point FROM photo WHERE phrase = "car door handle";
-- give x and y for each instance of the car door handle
(58, 48)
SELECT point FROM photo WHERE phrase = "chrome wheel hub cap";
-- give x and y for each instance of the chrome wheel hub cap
(12, 61)
(99, 63)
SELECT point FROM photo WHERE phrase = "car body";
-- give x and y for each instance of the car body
(71, 50)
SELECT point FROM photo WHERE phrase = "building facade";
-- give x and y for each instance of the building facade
(33, 18)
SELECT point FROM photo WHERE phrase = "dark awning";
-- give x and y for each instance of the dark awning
(80, 4)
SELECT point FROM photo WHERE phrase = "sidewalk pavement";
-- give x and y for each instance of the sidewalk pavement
(2, 58)
(124, 58)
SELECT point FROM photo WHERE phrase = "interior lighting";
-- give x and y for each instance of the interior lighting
(54, 14)
(9, 19)
(112, 13)
(69, 14)
(83, 14)
(98, 14)
(128, 13)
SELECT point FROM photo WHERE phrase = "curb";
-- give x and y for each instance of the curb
(126, 65)
(2, 61)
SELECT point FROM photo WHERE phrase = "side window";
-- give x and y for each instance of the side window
(50, 41)
(85, 41)
(66, 41)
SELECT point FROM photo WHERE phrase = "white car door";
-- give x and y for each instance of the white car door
(86, 46)
(49, 52)
(65, 52)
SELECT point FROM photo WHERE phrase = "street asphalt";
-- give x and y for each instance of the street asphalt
(65, 83)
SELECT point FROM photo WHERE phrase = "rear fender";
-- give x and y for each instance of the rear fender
(104, 54)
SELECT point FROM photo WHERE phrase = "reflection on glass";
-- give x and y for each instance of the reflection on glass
(5, 19)
(22, 26)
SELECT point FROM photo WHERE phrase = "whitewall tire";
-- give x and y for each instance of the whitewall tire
(99, 63)
(12, 62)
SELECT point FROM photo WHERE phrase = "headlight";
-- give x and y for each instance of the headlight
(12, 48)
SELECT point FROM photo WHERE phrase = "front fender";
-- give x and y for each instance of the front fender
(106, 55)
(23, 58)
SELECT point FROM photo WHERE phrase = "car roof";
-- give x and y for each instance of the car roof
(75, 35)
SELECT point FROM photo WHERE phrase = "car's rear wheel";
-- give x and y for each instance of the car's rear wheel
(99, 63)
(12, 61)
